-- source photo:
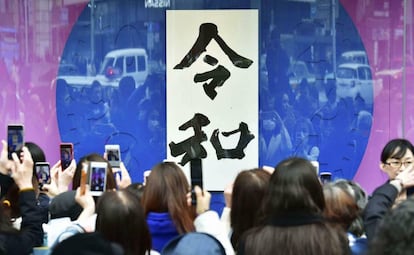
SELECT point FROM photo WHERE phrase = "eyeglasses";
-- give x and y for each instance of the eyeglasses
(398, 164)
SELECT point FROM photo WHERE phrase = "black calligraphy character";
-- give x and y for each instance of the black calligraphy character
(207, 32)
(218, 76)
(191, 147)
(238, 152)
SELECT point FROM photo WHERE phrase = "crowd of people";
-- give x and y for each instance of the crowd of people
(280, 210)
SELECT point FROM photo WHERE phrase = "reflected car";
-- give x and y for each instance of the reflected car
(298, 71)
(353, 79)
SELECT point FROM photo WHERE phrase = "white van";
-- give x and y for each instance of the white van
(116, 65)
(124, 62)
(352, 79)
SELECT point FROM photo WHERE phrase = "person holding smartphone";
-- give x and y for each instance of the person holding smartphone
(30, 235)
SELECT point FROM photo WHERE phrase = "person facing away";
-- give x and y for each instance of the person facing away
(166, 205)
(292, 221)
(246, 198)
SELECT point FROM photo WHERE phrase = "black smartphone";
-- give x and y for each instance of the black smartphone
(42, 173)
(66, 154)
(113, 154)
(15, 138)
(196, 175)
(97, 177)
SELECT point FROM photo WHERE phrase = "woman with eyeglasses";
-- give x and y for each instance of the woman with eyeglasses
(397, 161)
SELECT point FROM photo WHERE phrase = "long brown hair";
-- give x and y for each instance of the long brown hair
(121, 219)
(166, 191)
(249, 190)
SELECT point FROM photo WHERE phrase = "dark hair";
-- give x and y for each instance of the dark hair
(395, 232)
(311, 239)
(340, 207)
(249, 190)
(137, 188)
(396, 148)
(294, 186)
(121, 219)
(110, 179)
(166, 191)
(293, 222)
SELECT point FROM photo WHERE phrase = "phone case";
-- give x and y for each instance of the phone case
(66, 154)
(15, 138)
(113, 154)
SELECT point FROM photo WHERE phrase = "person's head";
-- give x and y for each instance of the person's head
(110, 179)
(137, 188)
(294, 186)
(340, 207)
(361, 199)
(121, 219)
(395, 233)
(396, 156)
(249, 190)
(166, 191)
(87, 244)
(293, 216)
(194, 243)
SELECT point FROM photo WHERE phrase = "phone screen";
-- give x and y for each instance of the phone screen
(42, 173)
(97, 177)
(66, 154)
(15, 139)
(325, 177)
(113, 154)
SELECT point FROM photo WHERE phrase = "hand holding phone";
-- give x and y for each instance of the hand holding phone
(84, 178)
(42, 170)
(15, 138)
(66, 154)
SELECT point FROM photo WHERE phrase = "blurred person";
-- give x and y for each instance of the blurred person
(292, 220)
(121, 219)
(244, 199)
(274, 140)
(395, 234)
(397, 161)
(342, 209)
(21, 241)
(166, 204)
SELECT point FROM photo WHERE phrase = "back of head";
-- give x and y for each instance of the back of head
(194, 243)
(294, 187)
(87, 244)
(121, 219)
(340, 207)
(166, 191)
(361, 199)
(249, 190)
(395, 233)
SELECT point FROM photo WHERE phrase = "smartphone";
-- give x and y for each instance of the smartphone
(325, 177)
(42, 170)
(196, 174)
(66, 154)
(113, 154)
(15, 139)
(97, 177)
